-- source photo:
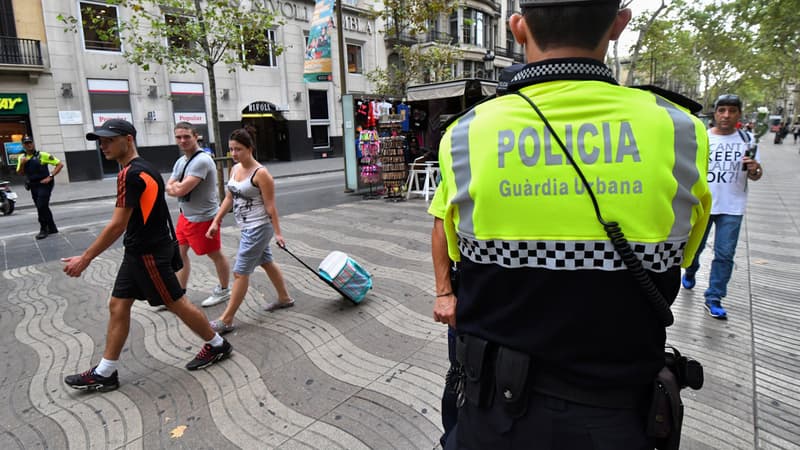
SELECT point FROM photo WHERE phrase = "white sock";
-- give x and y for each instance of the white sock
(216, 341)
(106, 367)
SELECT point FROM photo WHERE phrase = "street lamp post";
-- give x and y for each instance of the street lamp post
(488, 64)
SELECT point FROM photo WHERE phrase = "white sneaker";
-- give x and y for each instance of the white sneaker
(218, 296)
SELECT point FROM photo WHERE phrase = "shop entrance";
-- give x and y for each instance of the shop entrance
(271, 131)
(12, 129)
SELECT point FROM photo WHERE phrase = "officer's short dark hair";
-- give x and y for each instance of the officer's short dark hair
(574, 25)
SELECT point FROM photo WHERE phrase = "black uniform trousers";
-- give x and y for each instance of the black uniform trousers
(550, 423)
(41, 198)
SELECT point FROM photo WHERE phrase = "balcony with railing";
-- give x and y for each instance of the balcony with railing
(507, 53)
(401, 38)
(20, 54)
(440, 38)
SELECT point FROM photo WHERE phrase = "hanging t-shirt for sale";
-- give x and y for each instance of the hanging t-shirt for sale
(726, 179)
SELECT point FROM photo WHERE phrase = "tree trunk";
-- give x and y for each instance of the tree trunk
(212, 82)
(640, 40)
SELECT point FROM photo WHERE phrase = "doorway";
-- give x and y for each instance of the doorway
(12, 129)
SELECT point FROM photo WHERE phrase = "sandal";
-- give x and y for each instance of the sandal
(272, 306)
(221, 327)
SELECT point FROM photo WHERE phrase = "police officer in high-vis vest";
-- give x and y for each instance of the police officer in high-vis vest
(34, 164)
(558, 341)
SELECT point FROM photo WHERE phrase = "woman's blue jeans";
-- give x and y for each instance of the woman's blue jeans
(726, 236)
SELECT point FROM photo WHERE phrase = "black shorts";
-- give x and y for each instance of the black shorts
(148, 277)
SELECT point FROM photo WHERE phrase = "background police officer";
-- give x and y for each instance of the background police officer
(40, 181)
(559, 344)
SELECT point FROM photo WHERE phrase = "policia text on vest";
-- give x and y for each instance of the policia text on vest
(590, 143)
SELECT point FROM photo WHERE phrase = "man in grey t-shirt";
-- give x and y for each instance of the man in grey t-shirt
(194, 183)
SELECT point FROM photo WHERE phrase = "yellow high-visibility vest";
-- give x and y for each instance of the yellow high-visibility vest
(509, 196)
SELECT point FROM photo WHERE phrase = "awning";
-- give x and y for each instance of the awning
(448, 89)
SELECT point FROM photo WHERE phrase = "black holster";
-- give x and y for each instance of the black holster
(665, 418)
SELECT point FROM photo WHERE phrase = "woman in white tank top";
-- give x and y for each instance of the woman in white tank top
(251, 192)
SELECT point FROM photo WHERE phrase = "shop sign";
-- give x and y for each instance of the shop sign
(98, 119)
(194, 118)
(288, 10)
(357, 24)
(13, 104)
(70, 118)
(13, 152)
(260, 107)
(301, 13)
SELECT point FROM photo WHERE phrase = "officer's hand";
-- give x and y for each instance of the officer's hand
(23, 159)
(75, 265)
(444, 310)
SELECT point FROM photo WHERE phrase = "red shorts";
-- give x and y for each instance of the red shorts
(193, 234)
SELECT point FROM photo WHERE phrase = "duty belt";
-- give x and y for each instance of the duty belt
(492, 372)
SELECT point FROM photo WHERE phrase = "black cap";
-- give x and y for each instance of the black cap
(539, 3)
(728, 100)
(111, 128)
(26, 138)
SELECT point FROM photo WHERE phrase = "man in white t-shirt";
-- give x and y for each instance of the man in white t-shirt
(732, 161)
(194, 183)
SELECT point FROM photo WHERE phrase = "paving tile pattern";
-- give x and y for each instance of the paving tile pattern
(328, 374)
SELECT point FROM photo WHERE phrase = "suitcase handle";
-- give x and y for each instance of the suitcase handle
(341, 292)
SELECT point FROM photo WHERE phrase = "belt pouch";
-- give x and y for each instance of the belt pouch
(472, 354)
(511, 380)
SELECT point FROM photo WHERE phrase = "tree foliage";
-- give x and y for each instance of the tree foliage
(750, 47)
(414, 62)
(179, 35)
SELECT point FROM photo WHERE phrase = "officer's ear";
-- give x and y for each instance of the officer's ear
(620, 22)
(519, 28)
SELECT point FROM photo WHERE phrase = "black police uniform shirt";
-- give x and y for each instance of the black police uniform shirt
(140, 187)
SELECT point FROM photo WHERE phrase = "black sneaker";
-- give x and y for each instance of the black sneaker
(90, 380)
(209, 355)
(42, 234)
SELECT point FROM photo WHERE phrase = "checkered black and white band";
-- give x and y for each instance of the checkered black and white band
(569, 255)
(569, 68)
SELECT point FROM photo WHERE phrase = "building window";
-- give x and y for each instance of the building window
(175, 38)
(189, 105)
(471, 69)
(100, 27)
(454, 25)
(477, 28)
(318, 105)
(267, 57)
(354, 59)
(109, 99)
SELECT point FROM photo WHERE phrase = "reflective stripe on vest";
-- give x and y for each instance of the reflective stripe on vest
(661, 244)
(685, 169)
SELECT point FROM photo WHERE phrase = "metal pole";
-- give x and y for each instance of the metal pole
(342, 79)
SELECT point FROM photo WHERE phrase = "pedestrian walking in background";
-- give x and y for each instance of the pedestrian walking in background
(559, 345)
(796, 132)
(728, 184)
(146, 272)
(201, 142)
(251, 192)
(194, 183)
(40, 180)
